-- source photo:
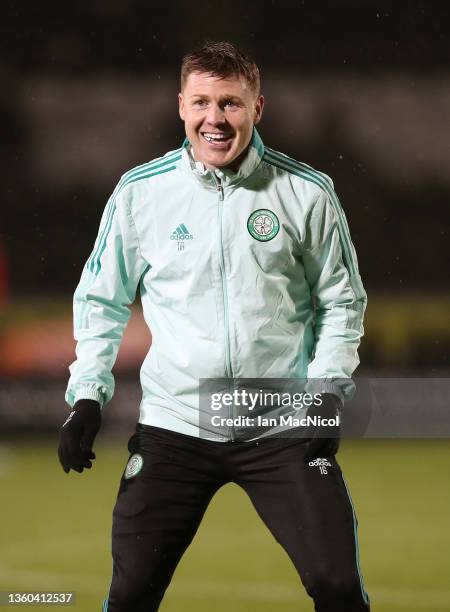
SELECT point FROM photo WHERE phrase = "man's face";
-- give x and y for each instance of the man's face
(219, 115)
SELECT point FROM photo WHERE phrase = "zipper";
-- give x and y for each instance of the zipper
(228, 366)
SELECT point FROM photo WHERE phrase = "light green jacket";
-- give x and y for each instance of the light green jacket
(242, 275)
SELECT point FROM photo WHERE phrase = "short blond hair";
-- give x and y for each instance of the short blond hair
(222, 59)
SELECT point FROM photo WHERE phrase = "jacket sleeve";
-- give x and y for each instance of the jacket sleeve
(101, 302)
(338, 296)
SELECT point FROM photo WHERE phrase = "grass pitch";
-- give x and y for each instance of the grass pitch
(55, 531)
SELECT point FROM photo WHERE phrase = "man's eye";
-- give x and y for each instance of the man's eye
(230, 103)
(199, 103)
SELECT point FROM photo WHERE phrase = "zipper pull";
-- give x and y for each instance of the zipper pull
(220, 190)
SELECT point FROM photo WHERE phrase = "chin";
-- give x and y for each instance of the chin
(220, 160)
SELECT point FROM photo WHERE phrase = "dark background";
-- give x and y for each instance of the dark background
(65, 68)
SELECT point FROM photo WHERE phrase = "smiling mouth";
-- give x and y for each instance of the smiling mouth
(216, 138)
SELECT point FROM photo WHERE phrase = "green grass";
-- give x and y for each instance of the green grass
(55, 532)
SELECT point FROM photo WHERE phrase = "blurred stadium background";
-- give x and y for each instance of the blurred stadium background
(358, 90)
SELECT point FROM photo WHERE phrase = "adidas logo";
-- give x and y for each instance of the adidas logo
(181, 233)
(319, 461)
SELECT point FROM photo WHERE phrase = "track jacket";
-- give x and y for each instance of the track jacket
(248, 274)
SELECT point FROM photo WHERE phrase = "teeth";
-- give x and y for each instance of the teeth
(210, 136)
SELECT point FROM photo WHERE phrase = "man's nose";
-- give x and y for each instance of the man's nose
(215, 115)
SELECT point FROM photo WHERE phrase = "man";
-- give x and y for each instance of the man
(246, 270)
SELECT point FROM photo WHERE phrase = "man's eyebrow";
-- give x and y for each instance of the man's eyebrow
(232, 97)
(224, 97)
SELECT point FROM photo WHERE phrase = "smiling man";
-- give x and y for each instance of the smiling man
(219, 114)
(246, 270)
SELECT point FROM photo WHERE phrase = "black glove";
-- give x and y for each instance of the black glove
(77, 436)
(325, 440)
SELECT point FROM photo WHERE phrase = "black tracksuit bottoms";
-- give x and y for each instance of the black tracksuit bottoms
(159, 509)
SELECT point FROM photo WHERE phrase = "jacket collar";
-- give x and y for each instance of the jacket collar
(208, 177)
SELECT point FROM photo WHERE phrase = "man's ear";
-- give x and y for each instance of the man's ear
(259, 105)
(181, 106)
